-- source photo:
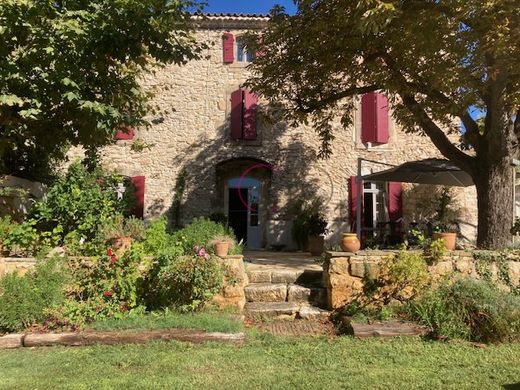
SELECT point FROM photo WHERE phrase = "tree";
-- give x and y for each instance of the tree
(70, 72)
(434, 59)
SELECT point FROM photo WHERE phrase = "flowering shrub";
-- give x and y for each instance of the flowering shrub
(187, 282)
(104, 287)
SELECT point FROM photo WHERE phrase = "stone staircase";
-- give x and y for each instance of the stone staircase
(285, 293)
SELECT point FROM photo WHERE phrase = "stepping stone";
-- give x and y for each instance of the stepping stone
(313, 313)
(299, 328)
(271, 309)
(266, 292)
(313, 295)
(310, 277)
(284, 276)
(387, 329)
(259, 276)
(10, 341)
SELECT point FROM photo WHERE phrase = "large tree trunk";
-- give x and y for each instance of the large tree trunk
(495, 191)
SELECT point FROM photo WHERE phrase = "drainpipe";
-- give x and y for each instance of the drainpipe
(359, 203)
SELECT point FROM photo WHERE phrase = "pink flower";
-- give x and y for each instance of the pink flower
(108, 294)
(109, 252)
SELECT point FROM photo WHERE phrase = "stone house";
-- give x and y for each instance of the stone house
(213, 150)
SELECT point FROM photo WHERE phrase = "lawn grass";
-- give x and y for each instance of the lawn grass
(210, 321)
(265, 361)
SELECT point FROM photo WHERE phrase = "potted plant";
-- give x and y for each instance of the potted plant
(121, 232)
(316, 227)
(443, 230)
(222, 244)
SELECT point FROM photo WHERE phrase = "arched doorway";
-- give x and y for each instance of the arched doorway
(243, 187)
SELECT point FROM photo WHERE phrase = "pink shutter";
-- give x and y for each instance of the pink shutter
(139, 189)
(382, 134)
(374, 118)
(395, 201)
(237, 113)
(250, 109)
(125, 134)
(353, 201)
(229, 46)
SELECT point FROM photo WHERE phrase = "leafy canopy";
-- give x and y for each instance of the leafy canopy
(434, 59)
(70, 70)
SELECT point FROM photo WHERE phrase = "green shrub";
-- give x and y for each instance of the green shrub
(81, 202)
(185, 282)
(200, 233)
(471, 309)
(104, 287)
(435, 251)
(6, 226)
(25, 300)
(156, 237)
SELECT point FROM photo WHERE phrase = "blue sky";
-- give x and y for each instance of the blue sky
(247, 6)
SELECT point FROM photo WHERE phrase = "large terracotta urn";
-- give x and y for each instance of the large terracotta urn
(350, 242)
(450, 239)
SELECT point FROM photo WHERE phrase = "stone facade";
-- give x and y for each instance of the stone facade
(343, 272)
(191, 134)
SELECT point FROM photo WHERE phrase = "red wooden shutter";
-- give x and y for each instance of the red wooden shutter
(374, 118)
(126, 134)
(250, 109)
(229, 46)
(237, 113)
(353, 194)
(139, 189)
(395, 201)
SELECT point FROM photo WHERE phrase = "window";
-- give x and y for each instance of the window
(374, 119)
(242, 54)
(243, 115)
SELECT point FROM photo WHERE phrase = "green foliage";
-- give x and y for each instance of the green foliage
(102, 287)
(471, 309)
(308, 220)
(184, 282)
(78, 205)
(156, 237)
(25, 300)
(484, 261)
(5, 227)
(70, 72)
(435, 251)
(118, 226)
(22, 239)
(200, 233)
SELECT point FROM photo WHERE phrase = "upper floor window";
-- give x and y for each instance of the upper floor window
(243, 55)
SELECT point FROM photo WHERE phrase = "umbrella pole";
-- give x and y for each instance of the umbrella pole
(359, 194)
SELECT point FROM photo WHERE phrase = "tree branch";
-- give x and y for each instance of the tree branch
(311, 106)
(438, 137)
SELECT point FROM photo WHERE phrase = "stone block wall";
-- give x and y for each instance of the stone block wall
(231, 295)
(343, 272)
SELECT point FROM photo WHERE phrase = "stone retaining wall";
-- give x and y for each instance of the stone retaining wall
(343, 272)
(232, 294)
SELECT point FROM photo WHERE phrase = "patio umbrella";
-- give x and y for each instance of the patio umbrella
(430, 171)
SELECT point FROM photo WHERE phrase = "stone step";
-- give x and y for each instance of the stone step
(314, 295)
(287, 276)
(291, 310)
(266, 292)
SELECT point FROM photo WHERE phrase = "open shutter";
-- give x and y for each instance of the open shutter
(395, 201)
(353, 196)
(237, 113)
(139, 189)
(374, 118)
(229, 45)
(125, 134)
(250, 109)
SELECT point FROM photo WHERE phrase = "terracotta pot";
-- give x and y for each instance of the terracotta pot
(121, 243)
(450, 239)
(350, 242)
(222, 248)
(316, 245)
